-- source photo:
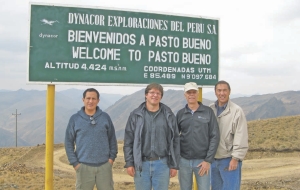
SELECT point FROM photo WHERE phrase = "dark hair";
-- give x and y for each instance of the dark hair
(222, 82)
(91, 90)
(156, 86)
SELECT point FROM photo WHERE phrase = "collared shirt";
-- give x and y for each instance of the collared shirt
(220, 109)
(189, 109)
(154, 135)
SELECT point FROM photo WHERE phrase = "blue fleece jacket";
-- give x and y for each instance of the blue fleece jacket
(95, 144)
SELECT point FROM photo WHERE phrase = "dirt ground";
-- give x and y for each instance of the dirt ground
(24, 168)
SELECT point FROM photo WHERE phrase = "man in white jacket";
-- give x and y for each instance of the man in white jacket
(233, 146)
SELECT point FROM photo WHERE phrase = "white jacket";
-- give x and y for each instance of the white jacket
(233, 132)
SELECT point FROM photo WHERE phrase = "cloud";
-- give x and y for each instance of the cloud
(288, 11)
(12, 44)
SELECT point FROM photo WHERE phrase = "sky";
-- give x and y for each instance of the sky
(258, 41)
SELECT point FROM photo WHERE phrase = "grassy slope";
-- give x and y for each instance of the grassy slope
(277, 134)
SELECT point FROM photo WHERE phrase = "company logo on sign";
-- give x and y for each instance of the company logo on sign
(49, 22)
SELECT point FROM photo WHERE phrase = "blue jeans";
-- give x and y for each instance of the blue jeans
(187, 168)
(155, 174)
(222, 179)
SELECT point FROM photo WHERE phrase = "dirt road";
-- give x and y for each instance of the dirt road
(254, 169)
(119, 172)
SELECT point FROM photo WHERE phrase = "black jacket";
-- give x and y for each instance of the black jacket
(199, 133)
(132, 138)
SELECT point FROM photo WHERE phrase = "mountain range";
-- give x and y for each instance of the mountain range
(32, 107)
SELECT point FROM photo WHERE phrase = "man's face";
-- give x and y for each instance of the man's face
(222, 92)
(153, 97)
(90, 101)
(191, 96)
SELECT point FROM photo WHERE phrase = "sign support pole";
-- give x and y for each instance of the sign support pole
(49, 137)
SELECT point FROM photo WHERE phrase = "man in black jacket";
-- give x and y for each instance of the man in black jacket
(151, 142)
(199, 140)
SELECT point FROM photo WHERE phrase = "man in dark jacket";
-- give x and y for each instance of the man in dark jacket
(151, 142)
(199, 140)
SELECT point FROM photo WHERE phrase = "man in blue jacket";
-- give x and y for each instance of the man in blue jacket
(92, 132)
(151, 142)
(199, 140)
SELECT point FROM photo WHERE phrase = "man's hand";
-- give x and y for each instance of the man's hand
(233, 164)
(131, 171)
(111, 161)
(204, 168)
(173, 173)
(77, 166)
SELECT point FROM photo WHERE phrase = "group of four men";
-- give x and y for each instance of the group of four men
(210, 142)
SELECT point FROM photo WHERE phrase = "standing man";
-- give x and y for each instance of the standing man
(92, 132)
(151, 142)
(233, 146)
(199, 140)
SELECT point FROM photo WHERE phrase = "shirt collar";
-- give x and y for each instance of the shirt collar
(189, 109)
(222, 107)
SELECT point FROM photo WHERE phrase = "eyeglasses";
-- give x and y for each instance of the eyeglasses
(154, 93)
(93, 122)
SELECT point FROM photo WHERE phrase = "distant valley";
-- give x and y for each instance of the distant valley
(32, 105)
